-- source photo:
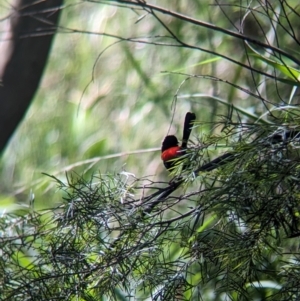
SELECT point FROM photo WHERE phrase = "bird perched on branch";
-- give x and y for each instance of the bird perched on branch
(170, 148)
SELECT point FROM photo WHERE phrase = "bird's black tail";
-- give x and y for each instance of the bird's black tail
(187, 128)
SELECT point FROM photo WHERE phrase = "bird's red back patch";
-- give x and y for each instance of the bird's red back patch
(171, 153)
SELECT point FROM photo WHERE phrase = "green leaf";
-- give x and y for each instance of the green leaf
(285, 69)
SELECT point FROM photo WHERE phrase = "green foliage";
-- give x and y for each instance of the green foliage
(227, 231)
(232, 231)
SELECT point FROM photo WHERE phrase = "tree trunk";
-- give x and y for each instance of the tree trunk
(24, 52)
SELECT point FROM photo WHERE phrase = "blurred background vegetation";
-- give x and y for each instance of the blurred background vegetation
(106, 102)
(99, 98)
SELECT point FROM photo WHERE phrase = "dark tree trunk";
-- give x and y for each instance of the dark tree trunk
(23, 57)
